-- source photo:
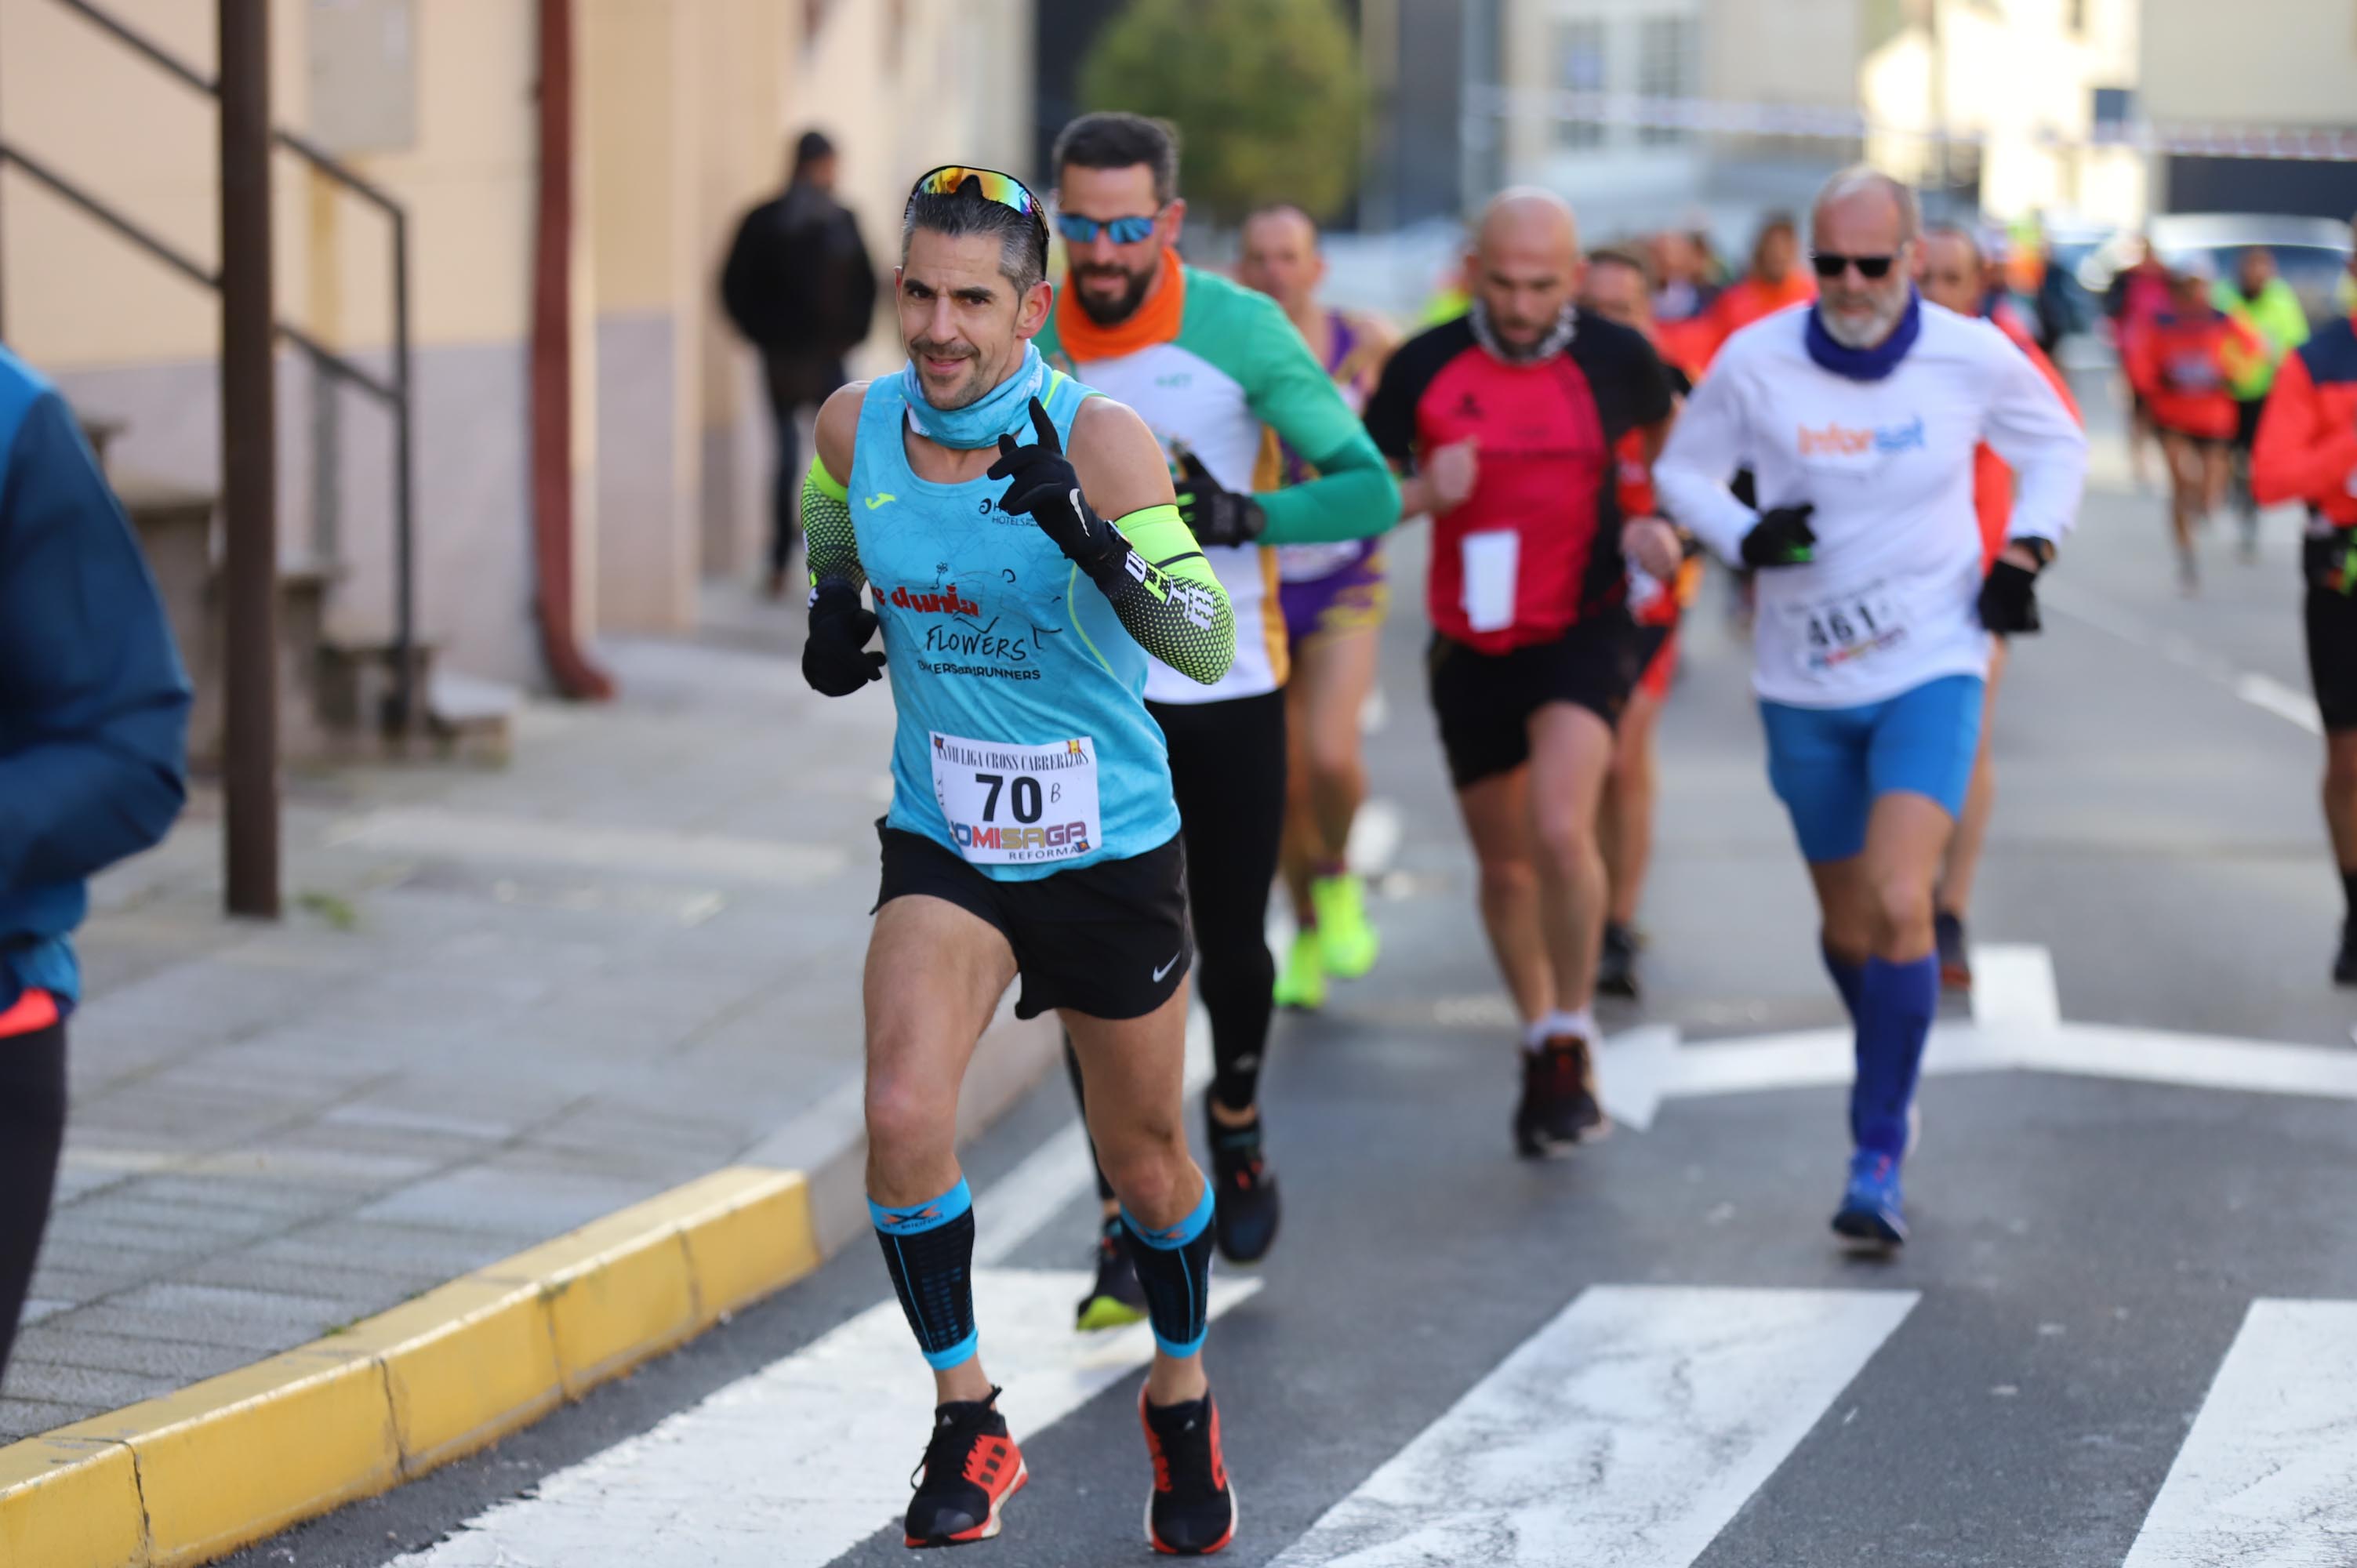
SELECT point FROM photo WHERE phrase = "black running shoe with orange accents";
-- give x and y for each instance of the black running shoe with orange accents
(1559, 1110)
(1245, 1212)
(970, 1467)
(1191, 1512)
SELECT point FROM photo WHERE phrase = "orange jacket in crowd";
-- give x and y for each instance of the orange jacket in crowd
(2185, 366)
(2307, 445)
(1992, 479)
(1746, 302)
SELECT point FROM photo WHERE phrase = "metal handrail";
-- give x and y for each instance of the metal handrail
(394, 393)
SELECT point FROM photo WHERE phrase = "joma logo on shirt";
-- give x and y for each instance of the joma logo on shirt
(946, 602)
(1840, 441)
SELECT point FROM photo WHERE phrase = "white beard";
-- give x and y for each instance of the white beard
(1852, 333)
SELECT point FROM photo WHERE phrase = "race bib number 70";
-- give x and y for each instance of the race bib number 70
(1017, 805)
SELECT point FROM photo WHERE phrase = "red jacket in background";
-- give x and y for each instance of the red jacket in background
(2307, 445)
(1992, 478)
(2185, 367)
(1745, 303)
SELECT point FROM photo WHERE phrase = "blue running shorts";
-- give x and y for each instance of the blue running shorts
(1830, 765)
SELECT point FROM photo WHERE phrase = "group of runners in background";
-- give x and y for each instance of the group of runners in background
(1124, 536)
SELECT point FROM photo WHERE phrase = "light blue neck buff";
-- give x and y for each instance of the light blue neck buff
(1004, 409)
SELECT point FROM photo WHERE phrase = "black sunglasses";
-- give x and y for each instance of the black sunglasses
(1829, 265)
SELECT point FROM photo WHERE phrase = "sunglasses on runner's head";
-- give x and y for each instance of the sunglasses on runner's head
(1007, 190)
(1829, 264)
(1124, 230)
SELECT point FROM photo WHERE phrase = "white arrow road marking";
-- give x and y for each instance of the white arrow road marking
(801, 1461)
(2014, 984)
(2014, 1026)
(1640, 1068)
(2264, 1478)
(1625, 1433)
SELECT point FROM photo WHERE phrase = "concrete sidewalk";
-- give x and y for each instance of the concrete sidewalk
(503, 1004)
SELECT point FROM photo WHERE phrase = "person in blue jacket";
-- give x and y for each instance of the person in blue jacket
(93, 739)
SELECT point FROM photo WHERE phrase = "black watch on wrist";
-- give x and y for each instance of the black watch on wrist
(2040, 550)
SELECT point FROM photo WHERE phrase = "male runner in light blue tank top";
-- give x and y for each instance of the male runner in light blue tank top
(1032, 832)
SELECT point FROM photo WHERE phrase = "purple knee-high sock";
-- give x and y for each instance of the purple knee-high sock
(1894, 1009)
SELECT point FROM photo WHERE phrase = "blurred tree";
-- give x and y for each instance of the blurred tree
(1268, 95)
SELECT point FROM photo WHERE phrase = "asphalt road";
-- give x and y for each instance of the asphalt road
(2015, 1388)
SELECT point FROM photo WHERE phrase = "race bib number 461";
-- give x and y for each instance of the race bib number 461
(1017, 805)
(1841, 632)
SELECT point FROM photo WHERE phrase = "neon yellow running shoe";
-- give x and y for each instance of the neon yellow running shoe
(1347, 941)
(1301, 983)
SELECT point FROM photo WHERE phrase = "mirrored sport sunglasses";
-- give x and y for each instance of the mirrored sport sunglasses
(1829, 264)
(1004, 188)
(1124, 230)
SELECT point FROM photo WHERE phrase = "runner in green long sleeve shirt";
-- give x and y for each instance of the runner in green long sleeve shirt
(1221, 377)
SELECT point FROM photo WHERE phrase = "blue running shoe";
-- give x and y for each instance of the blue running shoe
(1870, 1215)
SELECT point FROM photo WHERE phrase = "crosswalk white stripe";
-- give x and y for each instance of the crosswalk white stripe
(1623, 1434)
(2263, 1480)
(801, 1461)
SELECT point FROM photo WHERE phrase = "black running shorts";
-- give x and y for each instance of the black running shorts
(1109, 941)
(1484, 700)
(2332, 656)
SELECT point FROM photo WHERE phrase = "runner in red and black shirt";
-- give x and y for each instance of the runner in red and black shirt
(1509, 418)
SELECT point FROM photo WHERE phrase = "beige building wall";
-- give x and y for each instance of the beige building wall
(2261, 63)
(2021, 78)
(686, 110)
(900, 86)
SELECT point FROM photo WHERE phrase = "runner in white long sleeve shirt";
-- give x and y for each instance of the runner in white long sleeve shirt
(1858, 416)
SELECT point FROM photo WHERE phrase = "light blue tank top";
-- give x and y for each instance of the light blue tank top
(1023, 744)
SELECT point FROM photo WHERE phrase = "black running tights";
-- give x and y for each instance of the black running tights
(32, 1128)
(1227, 769)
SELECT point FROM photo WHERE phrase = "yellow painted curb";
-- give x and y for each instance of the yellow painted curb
(195, 1475)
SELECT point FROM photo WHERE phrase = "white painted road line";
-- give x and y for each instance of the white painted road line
(801, 1461)
(2260, 691)
(2264, 1478)
(1376, 834)
(2013, 984)
(1623, 1434)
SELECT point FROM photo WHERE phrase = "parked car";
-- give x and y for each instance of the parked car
(2313, 254)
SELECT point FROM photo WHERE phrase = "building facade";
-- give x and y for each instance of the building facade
(684, 111)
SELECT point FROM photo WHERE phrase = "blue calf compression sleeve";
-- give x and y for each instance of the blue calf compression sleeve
(1895, 1005)
(1174, 1269)
(929, 1249)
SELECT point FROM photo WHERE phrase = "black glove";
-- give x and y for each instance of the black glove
(2328, 560)
(1782, 538)
(2010, 600)
(833, 658)
(1214, 515)
(1045, 488)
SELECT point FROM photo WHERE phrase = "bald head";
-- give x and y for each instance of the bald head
(1525, 264)
(1524, 218)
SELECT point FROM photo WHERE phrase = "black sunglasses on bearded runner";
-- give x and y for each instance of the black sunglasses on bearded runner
(1830, 265)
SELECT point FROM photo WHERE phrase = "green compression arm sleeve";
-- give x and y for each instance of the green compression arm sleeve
(1175, 609)
(832, 549)
(1354, 496)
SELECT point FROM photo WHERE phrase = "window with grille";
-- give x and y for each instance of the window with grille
(1668, 67)
(1579, 66)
